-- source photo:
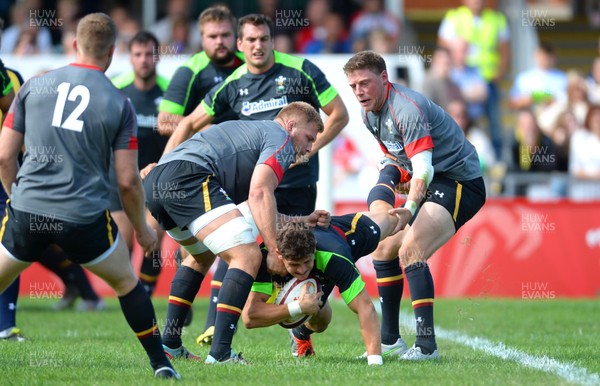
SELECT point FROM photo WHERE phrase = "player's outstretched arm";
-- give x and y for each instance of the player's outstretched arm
(167, 122)
(337, 119)
(132, 197)
(11, 142)
(189, 125)
(422, 175)
(320, 217)
(5, 102)
(261, 200)
(362, 305)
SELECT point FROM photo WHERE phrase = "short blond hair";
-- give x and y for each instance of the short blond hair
(302, 110)
(216, 14)
(96, 34)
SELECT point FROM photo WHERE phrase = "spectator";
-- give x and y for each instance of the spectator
(178, 12)
(584, 160)
(335, 40)
(437, 85)
(127, 28)
(576, 102)
(593, 82)
(487, 158)
(577, 96)
(67, 47)
(179, 36)
(27, 33)
(561, 133)
(373, 16)
(538, 87)
(283, 42)
(378, 41)
(269, 8)
(68, 12)
(531, 150)
(488, 35)
(316, 12)
(471, 84)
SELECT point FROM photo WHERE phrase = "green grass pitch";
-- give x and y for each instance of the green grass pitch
(560, 337)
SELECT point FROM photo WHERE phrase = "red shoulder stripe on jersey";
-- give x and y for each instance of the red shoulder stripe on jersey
(340, 231)
(421, 144)
(133, 141)
(9, 120)
(86, 66)
(387, 94)
(274, 164)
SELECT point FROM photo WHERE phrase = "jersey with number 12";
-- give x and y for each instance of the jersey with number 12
(72, 119)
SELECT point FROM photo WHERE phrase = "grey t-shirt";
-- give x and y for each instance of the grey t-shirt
(410, 123)
(262, 96)
(72, 118)
(231, 150)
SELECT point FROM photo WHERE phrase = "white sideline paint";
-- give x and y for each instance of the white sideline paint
(567, 371)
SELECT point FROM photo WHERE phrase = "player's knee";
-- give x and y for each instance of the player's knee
(385, 252)
(318, 325)
(124, 285)
(410, 255)
(202, 262)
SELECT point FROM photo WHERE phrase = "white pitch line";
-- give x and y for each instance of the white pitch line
(567, 371)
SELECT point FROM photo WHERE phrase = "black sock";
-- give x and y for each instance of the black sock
(83, 284)
(232, 297)
(139, 313)
(184, 287)
(420, 283)
(390, 284)
(302, 332)
(151, 267)
(215, 286)
(8, 305)
(384, 190)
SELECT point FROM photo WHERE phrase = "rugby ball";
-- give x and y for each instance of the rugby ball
(290, 292)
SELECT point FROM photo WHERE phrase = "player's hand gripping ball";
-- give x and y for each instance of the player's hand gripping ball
(290, 292)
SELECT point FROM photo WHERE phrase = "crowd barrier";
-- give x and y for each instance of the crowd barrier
(512, 248)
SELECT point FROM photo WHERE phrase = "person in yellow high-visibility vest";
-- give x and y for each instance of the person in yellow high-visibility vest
(487, 33)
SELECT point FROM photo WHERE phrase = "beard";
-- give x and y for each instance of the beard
(221, 60)
(146, 75)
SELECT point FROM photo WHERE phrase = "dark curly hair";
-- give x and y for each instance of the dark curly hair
(296, 241)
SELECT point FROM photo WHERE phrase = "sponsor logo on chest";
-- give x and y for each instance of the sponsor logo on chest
(393, 146)
(249, 108)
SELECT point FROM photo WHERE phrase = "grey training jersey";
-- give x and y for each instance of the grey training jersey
(232, 149)
(262, 96)
(72, 118)
(409, 123)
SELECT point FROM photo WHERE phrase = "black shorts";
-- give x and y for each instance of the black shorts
(179, 192)
(296, 201)
(360, 232)
(462, 199)
(27, 235)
